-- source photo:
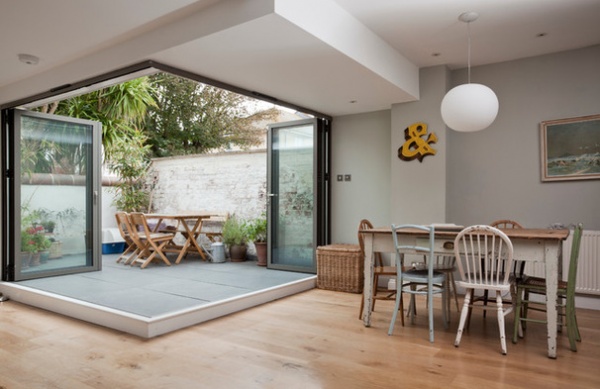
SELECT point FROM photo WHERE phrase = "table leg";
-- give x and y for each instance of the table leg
(552, 255)
(368, 284)
(191, 239)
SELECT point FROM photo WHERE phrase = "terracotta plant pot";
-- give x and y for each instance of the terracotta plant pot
(261, 253)
(237, 253)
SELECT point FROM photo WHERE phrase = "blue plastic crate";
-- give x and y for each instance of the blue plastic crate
(113, 248)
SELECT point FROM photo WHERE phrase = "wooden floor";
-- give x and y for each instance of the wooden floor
(310, 340)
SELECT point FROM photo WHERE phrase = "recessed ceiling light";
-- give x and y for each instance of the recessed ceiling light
(541, 34)
(29, 59)
(353, 101)
(436, 54)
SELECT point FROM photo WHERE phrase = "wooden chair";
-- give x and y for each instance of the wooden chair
(505, 224)
(566, 296)
(481, 253)
(447, 264)
(150, 243)
(124, 225)
(410, 280)
(212, 228)
(378, 270)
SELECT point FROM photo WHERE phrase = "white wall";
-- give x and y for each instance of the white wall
(360, 147)
(228, 182)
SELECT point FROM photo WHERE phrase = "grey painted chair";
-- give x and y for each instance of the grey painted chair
(416, 281)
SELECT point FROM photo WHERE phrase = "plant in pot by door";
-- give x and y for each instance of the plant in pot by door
(40, 243)
(27, 248)
(42, 246)
(257, 232)
(235, 236)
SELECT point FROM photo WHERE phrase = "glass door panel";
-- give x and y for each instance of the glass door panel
(55, 193)
(293, 166)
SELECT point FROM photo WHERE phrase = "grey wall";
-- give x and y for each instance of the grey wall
(475, 177)
(361, 148)
(418, 189)
(496, 173)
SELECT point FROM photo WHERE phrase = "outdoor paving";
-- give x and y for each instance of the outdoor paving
(160, 289)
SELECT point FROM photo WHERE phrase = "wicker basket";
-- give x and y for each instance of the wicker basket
(340, 267)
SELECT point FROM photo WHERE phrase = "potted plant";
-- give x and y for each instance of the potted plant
(37, 243)
(235, 236)
(27, 248)
(257, 233)
(49, 226)
(42, 245)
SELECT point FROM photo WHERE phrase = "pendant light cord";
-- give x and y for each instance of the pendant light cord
(469, 52)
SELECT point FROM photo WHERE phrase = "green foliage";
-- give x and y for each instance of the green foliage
(257, 229)
(27, 243)
(131, 163)
(33, 238)
(120, 108)
(235, 231)
(193, 118)
(40, 241)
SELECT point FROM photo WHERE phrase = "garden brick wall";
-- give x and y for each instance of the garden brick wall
(234, 182)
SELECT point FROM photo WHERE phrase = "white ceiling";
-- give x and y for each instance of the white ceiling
(320, 54)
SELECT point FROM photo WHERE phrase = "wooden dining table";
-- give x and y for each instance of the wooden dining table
(189, 224)
(537, 245)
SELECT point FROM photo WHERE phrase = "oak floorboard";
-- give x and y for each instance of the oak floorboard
(309, 340)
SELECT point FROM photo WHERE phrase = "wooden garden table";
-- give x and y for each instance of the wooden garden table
(185, 220)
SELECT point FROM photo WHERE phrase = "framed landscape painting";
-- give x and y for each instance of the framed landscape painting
(571, 149)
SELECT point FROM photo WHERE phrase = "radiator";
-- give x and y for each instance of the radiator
(588, 272)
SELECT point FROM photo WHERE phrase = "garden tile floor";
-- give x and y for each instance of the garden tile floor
(160, 289)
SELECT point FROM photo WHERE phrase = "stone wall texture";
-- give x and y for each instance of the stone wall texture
(234, 182)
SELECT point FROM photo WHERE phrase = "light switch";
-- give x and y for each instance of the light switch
(348, 177)
(340, 177)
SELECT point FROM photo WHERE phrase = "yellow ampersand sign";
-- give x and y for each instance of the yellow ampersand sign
(415, 146)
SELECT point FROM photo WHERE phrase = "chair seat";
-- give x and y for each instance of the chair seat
(490, 285)
(541, 283)
(421, 275)
(156, 235)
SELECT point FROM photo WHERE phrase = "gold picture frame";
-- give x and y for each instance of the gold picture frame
(571, 148)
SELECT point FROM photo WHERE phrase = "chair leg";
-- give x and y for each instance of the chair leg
(485, 301)
(501, 322)
(463, 316)
(572, 328)
(430, 313)
(399, 305)
(517, 330)
(446, 307)
(130, 248)
(454, 292)
(362, 305)
(412, 307)
(375, 287)
(524, 308)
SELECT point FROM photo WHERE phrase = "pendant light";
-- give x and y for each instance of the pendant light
(469, 107)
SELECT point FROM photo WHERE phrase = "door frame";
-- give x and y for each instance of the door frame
(321, 188)
(11, 186)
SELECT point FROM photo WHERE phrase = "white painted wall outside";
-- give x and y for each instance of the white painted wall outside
(225, 182)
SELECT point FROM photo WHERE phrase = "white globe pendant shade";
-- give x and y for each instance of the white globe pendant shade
(469, 107)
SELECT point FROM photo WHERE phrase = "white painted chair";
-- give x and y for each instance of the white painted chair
(482, 253)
